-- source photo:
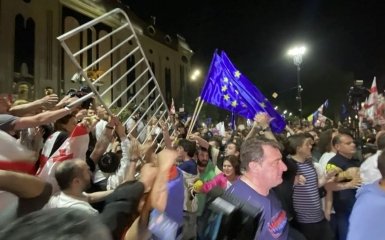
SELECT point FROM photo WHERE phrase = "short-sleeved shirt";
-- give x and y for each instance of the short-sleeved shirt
(276, 226)
(343, 200)
(306, 198)
(62, 200)
(189, 166)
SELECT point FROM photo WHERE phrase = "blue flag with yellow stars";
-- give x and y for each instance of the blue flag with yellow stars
(227, 88)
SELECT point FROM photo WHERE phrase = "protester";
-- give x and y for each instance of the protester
(262, 164)
(366, 219)
(347, 170)
(369, 169)
(308, 213)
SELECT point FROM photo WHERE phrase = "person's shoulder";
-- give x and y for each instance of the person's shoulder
(337, 159)
(238, 187)
(370, 161)
(7, 121)
(101, 123)
(53, 202)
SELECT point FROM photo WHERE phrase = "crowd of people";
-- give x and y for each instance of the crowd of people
(80, 173)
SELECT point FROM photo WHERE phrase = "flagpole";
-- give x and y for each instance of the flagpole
(195, 114)
(200, 101)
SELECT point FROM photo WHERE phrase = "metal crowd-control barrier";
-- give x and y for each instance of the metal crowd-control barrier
(117, 74)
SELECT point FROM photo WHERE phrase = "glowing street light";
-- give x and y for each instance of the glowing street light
(195, 74)
(296, 53)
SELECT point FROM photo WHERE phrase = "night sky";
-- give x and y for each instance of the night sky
(345, 41)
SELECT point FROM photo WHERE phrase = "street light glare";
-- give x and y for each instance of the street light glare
(297, 51)
(196, 73)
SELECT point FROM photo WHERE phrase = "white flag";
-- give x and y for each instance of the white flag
(14, 156)
(75, 146)
(372, 101)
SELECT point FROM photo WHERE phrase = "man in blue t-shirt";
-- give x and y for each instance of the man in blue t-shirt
(262, 166)
(186, 151)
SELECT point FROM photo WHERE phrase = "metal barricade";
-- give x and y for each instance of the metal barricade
(147, 100)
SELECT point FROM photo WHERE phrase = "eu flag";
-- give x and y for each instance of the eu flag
(227, 88)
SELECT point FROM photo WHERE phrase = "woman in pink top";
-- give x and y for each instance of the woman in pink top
(231, 172)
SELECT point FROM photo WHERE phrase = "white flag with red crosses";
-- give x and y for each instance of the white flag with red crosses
(75, 146)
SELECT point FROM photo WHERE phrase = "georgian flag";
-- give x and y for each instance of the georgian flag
(371, 107)
(75, 146)
(47, 149)
(14, 156)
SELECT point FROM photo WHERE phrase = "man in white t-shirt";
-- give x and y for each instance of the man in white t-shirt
(73, 178)
(369, 168)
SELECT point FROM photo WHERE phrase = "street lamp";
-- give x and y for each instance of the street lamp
(296, 53)
(195, 75)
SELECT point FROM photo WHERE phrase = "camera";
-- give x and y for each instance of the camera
(357, 94)
(81, 93)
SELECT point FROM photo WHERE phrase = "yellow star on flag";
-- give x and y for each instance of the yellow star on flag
(224, 88)
(237, 74)
(226, 97)
(225, 79)
(262, 104)
(236, 91)
(234, 103)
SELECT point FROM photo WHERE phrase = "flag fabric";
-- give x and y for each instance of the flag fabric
(75, 146)
(317, 118)
(371, 107)
(227, 88)
(380, 110)
(313, 117)
(14, 156)
(172, 107)
(221, 128)
(47, 149)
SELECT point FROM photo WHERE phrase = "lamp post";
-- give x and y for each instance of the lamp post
(296, 53)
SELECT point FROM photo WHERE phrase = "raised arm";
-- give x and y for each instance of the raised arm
(103, 142)
(202, 143)
(20, 184)
(45, 102)
(159, 194)
(261, 126)
(40, 119)
(166, 135)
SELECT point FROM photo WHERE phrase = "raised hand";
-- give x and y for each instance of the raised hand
(262, 119)
(50, 101)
